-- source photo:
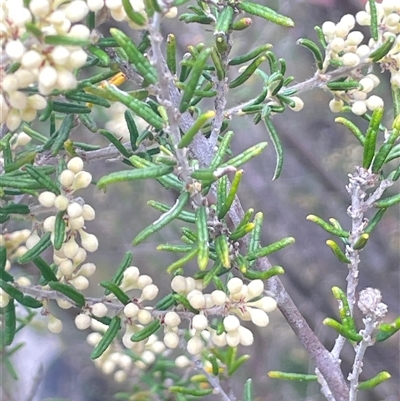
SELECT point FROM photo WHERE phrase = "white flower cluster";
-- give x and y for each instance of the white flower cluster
(242, 302)
(70, 257)
(346, 45)
(14, 243)
(49, 66)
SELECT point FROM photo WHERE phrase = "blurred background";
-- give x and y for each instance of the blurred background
(319, 155)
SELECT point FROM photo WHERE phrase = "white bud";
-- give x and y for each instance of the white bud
(81, 257)
(23, 281)
(258, 317)
(190, 284)
(143, 281)
(80, 283)
(63, 304)
(54, 325)
(131, 274)
(93, 339)
(39, 8)
(231, 323)
(149, 292)
(337, 44)
(350, 60)
(82, 321)
(195, 345)
(359, 108)
(336, 105)
(299, 104)
(4, 299)
(87, 269)
(367, 84)
(88, 212)
(95, 5)
(61, 202)
(74, 210)
(70, 248)
(79, 31)
(18, 100)
(233, 338)
(373, 102)
(31, 59)
(246, 336)
(89, 241)
(66, 267)
(182, 361)
(76, 10)
(14, 49)
(99, 309)
(267, 304)
(37, 102)
(10, 83)
(363, 18)
(178, 284)
(77, 223)
(363, 51)
(196, 299)
(59, 55)
(49, 224)
(358, 95)
(75, 165)
(171, 340)
(354, 38)
(348, 20)
(341, 30)
(218, 340)
(120, 376)
(113, 4)
(144, 317)
(199, 322)
(328, 28)
(131, 310)
(255, 288)
(218, 297)
(77, 59)
(48, 76)
(65, 79)
(24, 77)
(66, 178)
(82, 180)
(32, 240)
(172, 319)
(107, 367)
(235, 285)
(13, 120)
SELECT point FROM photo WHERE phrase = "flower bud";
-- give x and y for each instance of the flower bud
(131, 274)
(61, 202)
(131, 310)
(218, 297)
(82, 180)
(178, 284)
(66, 178)
(171, 340)
(80, 283)
(246, 336)
(199, 322)
(359, 108)
(231, 323)
(99, 309)
(144, 317)
(66, 267)
(373, 102)
(70, 248)
(149, 292)
(172, 319)
(77, 223)
(235, 285)
(195, 345)
(196, 299)
(88, 212)
(120, 376)
(258, 317)
(143, 281)
(75, 165)
(82, 321)
(182, 361)
(74, 210)
(63, 304)
(49, 223)
(54, 325)
(93, 339)
(255, 288)
(89, 241)
(233, 338)
(87, 269)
